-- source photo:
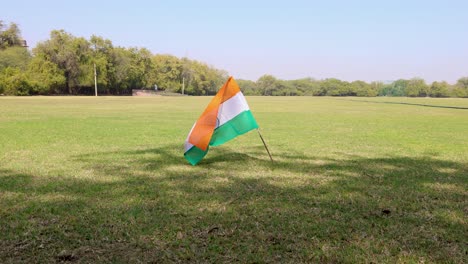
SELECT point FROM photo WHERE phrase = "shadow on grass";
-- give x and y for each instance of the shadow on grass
(403, 103)
(150, 205)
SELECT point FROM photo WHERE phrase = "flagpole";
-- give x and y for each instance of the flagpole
(264, 144)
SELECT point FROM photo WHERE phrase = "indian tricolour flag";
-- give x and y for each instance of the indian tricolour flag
(226, 117)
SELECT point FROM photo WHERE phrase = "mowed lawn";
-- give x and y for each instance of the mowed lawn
(96, 180)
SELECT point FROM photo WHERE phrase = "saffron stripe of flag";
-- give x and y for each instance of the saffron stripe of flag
(233, 118)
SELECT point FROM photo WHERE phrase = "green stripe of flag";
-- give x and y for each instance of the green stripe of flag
(194, 155)
(241, 124)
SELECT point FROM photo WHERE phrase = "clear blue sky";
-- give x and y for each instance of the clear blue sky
(350, 40)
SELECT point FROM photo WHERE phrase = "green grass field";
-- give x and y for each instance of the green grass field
(96, 180)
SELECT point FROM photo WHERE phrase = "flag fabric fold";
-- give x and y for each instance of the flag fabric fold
(226, 117)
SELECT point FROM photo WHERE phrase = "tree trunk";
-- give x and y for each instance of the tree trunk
(67, 81)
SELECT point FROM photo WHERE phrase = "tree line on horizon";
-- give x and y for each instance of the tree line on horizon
(64, 65)
(416, 87)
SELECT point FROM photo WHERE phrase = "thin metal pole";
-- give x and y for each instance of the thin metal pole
(183, 84)
(95, 80)
(264, 144)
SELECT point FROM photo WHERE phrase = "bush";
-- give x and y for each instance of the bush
(14, 82)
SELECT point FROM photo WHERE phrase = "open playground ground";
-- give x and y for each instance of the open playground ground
(92, 180)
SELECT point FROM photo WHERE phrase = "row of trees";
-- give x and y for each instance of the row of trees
(269, 85)
(64, 64)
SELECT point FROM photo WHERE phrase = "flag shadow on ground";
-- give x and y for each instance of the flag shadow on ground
(151, 205)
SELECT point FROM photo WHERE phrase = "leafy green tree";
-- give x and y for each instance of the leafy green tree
(67, 52)
(439, 89)
(13, 81)
(267, 84)
(122, 64)
(335, 87)
(375, 88)
(385, 90)
(16, 57)
(307, 86)
(102, 55)
(140, 65)
(44, 77)
(167, 73)
(204, 80)
(461, 87)
(396, 88)
(361, 88)
(197, 81)
(10, 36)
(399, 87)
(248, 87)
(284, 88)
(416, 87)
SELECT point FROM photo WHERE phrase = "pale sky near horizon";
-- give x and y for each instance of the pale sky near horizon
(350, 40)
